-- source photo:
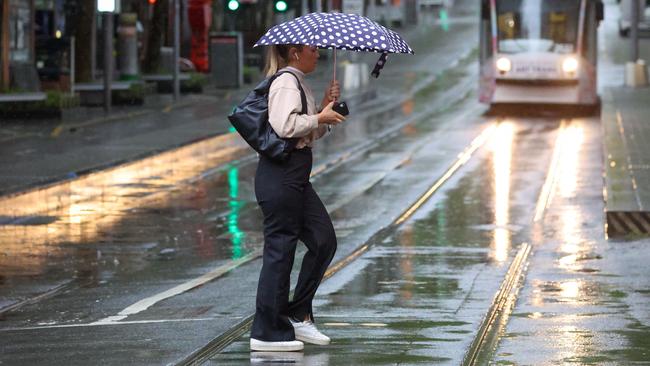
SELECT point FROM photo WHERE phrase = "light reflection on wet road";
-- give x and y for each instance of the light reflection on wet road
(417, 297)
(572, 299)
(111, 224)
(87, 209)
(135, 218)
(501, 163)
(420, 295)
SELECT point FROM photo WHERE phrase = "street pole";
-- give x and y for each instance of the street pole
(72, 55)
(177, 43)
(634, 31)
(304, 7)
(4, 45)
(372, 10)
(108, 55)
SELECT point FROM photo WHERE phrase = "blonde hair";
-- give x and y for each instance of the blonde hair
(277, 57)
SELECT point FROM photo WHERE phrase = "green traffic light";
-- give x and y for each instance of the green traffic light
(233, 5)
(281, 5)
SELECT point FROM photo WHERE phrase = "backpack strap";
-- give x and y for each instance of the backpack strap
(303, 96)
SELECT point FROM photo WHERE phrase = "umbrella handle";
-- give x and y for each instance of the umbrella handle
(334, 72)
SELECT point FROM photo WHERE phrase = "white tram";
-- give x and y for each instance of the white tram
(539, 51)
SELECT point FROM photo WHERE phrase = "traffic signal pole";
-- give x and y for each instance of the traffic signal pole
(634, 31)
(177, 43)
(108, 59)
(304, 8)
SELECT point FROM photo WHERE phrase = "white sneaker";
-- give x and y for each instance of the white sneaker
(283, 346)
(307, 332)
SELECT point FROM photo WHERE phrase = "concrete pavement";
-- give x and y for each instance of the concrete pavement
(626, 133)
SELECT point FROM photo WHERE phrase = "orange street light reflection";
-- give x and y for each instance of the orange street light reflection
(79, 210)
(407, 240)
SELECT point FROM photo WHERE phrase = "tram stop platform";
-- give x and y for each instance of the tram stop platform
(626, 154)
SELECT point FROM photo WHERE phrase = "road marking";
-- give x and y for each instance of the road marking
(546, 195)
(337, 324)
(374, 325)
(146, 303)
(85, 325)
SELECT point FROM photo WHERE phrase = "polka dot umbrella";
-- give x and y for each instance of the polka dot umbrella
(338, 31)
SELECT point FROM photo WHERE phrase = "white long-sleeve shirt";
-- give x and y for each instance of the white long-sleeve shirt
(285, 107)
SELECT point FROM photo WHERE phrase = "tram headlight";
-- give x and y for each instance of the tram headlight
(570, 65)
(504, 64)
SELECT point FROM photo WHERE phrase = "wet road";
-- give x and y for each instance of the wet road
(110, 221)
(419, 295)
(147, 263)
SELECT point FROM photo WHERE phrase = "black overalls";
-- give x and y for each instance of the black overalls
(292, 210)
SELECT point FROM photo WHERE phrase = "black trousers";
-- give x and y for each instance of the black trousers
(292, 211)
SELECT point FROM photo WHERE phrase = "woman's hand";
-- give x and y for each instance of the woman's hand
(332, 93)
(329, 116)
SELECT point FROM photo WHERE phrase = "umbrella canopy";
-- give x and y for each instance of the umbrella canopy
(338, 31)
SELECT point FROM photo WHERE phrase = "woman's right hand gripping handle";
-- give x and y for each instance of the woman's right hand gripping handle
(329, 116)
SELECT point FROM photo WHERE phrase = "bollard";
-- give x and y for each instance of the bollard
(636, 74)
(350, 76)
(127, 46)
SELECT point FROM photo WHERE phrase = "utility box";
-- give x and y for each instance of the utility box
(227, 59)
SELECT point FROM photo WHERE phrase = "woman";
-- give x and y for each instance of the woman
(292, 210)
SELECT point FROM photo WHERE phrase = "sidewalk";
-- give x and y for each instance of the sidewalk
(626, 153)
(38, 153)
(624, 119)
(585, 299)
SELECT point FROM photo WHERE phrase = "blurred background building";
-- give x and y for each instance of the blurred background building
(49, 44)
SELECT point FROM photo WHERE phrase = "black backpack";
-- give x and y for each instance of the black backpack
(251, 119)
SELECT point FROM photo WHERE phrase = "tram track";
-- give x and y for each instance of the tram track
(228, 267)
(219, 343)
(449, 98)
(496, 319)
(497, 315)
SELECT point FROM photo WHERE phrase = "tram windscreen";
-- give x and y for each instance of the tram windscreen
(537, 25)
